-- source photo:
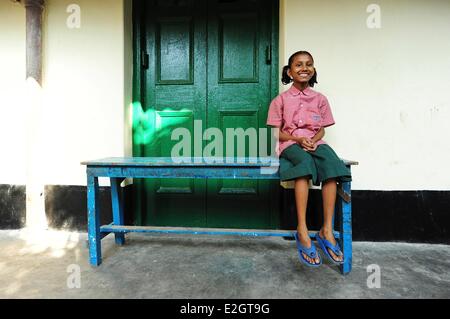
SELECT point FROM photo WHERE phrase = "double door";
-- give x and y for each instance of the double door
(204, 64)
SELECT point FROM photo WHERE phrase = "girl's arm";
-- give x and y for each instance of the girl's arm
(318, 135)
(303, 141)
(286, 137)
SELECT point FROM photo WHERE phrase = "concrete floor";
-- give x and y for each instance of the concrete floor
(41, 265)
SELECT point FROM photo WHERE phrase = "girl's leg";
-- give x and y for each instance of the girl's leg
(301, 201)
(329, 188)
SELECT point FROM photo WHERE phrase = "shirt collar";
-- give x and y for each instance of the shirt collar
(308, 91)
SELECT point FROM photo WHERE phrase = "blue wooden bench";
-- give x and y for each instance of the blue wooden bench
(119, 168)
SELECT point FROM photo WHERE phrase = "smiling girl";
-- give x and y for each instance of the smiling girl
(301, 115)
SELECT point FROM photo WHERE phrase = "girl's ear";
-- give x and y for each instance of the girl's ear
(289, 73)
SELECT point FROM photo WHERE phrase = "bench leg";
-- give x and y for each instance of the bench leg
(346, 230)
(117, 208)
(95, 245)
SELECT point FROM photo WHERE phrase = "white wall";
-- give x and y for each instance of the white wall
(87, 75)
(12, 85)
(388, 87)
(83, 87)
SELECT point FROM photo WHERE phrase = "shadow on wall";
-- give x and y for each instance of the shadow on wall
(66, 207)
(12, 206)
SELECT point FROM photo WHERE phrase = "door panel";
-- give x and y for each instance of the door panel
(237, 45)
(175, 38)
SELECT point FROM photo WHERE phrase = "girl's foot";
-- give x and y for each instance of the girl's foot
(328, 235)
(305, 241)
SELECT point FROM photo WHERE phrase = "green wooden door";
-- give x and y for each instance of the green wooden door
(208, 61)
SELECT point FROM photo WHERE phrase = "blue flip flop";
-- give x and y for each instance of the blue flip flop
(325, 244)
(311, 252)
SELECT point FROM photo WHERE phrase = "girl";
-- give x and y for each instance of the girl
(301, 114)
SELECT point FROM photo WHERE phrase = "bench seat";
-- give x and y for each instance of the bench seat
(120, 168)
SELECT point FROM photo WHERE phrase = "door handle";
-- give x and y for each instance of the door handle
(144, 60)
(269, 54)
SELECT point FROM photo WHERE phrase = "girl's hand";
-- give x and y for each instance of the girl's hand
(311, 149)
(307, 144)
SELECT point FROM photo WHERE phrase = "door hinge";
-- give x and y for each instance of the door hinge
(269, 54)
(144, 60)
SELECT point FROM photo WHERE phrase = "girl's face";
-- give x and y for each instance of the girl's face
(302, 68)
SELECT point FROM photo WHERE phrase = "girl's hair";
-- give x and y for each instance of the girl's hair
(285, 79)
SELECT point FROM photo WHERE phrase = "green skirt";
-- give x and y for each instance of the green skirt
(320, 165)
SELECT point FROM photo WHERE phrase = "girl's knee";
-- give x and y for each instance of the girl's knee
(303, 179)
(330, 180)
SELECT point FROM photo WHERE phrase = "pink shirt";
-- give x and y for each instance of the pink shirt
(299, 113)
